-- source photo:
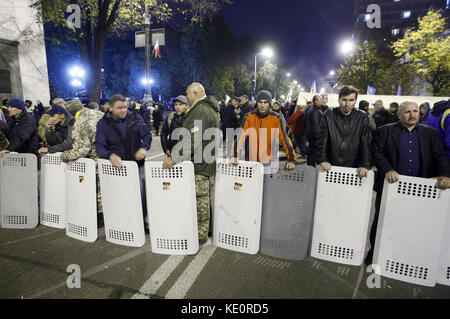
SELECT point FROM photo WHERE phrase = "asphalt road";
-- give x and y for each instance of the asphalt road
(34, 264)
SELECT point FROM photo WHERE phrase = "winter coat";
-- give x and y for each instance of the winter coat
(246, 108)
(60, 138)
(386, 148)
(382, 117)
(172, 122)
(260, 150)
(344, 140)
(23, 136)
(205, 110)
(424, 117)
(109, 140)
(437, 120)
(297, 123)
(83, 136)
(313, 118)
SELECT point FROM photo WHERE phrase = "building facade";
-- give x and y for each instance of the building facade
(396, 17)
(23, 61)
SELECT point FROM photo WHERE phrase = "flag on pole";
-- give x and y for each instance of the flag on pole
(289, 96)
(313, 87)
(227, 99)
(399, 90)
(371, 90)
(156, 49)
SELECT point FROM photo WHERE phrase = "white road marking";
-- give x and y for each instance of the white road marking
(94, 270)
(184, 283)
(31, 237)
(158, 278)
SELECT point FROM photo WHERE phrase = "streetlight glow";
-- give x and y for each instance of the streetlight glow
(76, 83)
(288, 75)
(145, 81)
(267, 52)
(332, 73)
(347, 47)
(76, 72)
(295, 82)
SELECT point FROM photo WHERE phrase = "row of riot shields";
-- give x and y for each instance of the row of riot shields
(266, 209)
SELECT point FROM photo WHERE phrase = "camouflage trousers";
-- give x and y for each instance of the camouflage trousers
(99, 194)
(202, 193)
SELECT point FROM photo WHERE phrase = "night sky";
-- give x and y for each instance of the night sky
(304, 34)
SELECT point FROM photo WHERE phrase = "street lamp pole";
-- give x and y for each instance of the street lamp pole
(254, 84)
(148, 90)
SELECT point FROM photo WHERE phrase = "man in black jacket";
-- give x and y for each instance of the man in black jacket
(245, 105)
(313, 117)
(345, 135)
(407, 148)
(59, 131)
(172, 122)
(381, 115)
(23, 136)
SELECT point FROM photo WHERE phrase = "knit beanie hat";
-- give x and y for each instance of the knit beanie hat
(264, 95)
(18, 104)
(56, 109)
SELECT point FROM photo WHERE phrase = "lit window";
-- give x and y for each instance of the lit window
(448, 5)
(406, 14)
(395, 32)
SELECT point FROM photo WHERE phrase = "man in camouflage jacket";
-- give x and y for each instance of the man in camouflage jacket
(83, 138)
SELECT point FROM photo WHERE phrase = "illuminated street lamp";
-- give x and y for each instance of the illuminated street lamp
(76, 72)
(347, 47)
(332, 73)
(145, 81)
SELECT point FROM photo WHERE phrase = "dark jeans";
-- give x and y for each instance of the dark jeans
(298, 140)
(373, 229)
(311, 157)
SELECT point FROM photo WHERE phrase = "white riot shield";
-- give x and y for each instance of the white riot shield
(238, 206)
(53, 191)
(342, 212)
(287, 212)
(121, 200)
(19, 198)
(81, 200)
(410, 232)
(444, 273)
(172, 208)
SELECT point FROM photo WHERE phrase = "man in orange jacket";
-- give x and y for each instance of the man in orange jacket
(261, 127)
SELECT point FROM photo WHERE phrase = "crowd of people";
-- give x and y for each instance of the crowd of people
(406, 139)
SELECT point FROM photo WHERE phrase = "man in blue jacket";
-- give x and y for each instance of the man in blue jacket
(439, 118)
(23, 136)
(123, 135)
